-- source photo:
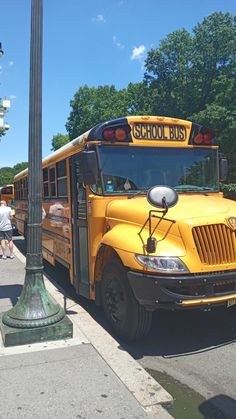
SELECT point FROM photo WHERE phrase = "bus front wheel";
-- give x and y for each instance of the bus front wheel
(127, 317)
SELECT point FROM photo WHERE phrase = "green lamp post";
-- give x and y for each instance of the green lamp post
(36, 316)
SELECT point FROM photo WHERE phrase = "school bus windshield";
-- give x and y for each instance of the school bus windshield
(130, 169)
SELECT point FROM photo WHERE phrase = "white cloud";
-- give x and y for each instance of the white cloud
(138, 52)
(99, 19)
(117, 42)
(11, 63)
(12, 97)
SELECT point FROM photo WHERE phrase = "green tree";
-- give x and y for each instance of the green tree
(193, 77)
(139, 99)
(189, 76)
(7, 173)
(214, 52)
(215, 80)
(2, 132)
(168, 74)
(93, 105)
(19, 167)
(59, 140)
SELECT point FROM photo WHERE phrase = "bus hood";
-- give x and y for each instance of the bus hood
(125, 219)
(190, 208)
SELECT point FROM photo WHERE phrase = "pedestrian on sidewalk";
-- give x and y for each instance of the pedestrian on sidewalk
(6, 229)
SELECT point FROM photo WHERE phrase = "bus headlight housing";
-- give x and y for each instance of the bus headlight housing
(165, 264)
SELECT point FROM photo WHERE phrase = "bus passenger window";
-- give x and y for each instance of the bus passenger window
(45, 183)
(61, 179)
(52, 181)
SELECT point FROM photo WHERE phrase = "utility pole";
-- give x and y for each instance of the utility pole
(36, 317)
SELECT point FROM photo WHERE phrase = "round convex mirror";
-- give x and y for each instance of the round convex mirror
(162, 196)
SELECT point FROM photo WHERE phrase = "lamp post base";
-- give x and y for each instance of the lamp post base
(36, 317)
(13, 336)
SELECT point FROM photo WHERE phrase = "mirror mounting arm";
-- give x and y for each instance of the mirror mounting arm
(151, 241)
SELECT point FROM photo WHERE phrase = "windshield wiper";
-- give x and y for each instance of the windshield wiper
(192, 188)
(140, 192)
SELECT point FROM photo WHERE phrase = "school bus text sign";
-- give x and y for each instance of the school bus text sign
(160, 132)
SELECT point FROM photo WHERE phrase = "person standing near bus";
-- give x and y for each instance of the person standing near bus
(5, 229)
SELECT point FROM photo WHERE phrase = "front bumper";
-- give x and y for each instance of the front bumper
(184, 291)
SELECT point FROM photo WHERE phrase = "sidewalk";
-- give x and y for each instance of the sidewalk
(88, 377)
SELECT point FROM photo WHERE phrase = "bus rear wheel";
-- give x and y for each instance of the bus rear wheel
(128, 318)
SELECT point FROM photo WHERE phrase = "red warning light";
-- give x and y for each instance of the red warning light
(108, 134)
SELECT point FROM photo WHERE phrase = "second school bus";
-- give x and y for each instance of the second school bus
(7, 194)
(129, 244)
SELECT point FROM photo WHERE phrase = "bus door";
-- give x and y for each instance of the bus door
(79, 230)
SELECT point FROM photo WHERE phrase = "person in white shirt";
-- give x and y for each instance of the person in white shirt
(6, 229)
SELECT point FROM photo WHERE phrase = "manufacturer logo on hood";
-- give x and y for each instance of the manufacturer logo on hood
(231, 221)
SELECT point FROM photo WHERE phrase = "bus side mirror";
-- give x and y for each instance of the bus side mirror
(89, 167)
(223, 169)
(162, 197)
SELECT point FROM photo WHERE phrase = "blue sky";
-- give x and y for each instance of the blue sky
(92, 42)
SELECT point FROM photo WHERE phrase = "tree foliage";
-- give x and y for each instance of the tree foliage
(2, 132)
(59, 140)
(7, 173)
(193, 77)
(189, 75)
(168, 75)
(93, 105)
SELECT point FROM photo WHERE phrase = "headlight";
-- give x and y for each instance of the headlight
(165, 264)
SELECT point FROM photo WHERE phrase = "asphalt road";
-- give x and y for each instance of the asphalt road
(196, 348)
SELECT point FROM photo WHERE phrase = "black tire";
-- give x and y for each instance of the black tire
(128, 318)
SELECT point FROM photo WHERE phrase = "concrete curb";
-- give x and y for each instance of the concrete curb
(149, 393)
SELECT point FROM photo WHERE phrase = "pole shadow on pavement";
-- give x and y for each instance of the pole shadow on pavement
(11, 292)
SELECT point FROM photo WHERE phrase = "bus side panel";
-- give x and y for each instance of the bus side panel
(21, 208)
(56, 240)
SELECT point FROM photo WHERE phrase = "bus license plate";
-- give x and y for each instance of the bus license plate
(231, 302)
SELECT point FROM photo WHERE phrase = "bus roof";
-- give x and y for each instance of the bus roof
(64, 151)
(96, 132)
(6, 185)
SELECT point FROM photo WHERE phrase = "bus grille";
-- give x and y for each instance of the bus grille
(216, 244)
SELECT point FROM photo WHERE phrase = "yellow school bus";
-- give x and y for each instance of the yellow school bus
(133, 209)
(7, 194)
